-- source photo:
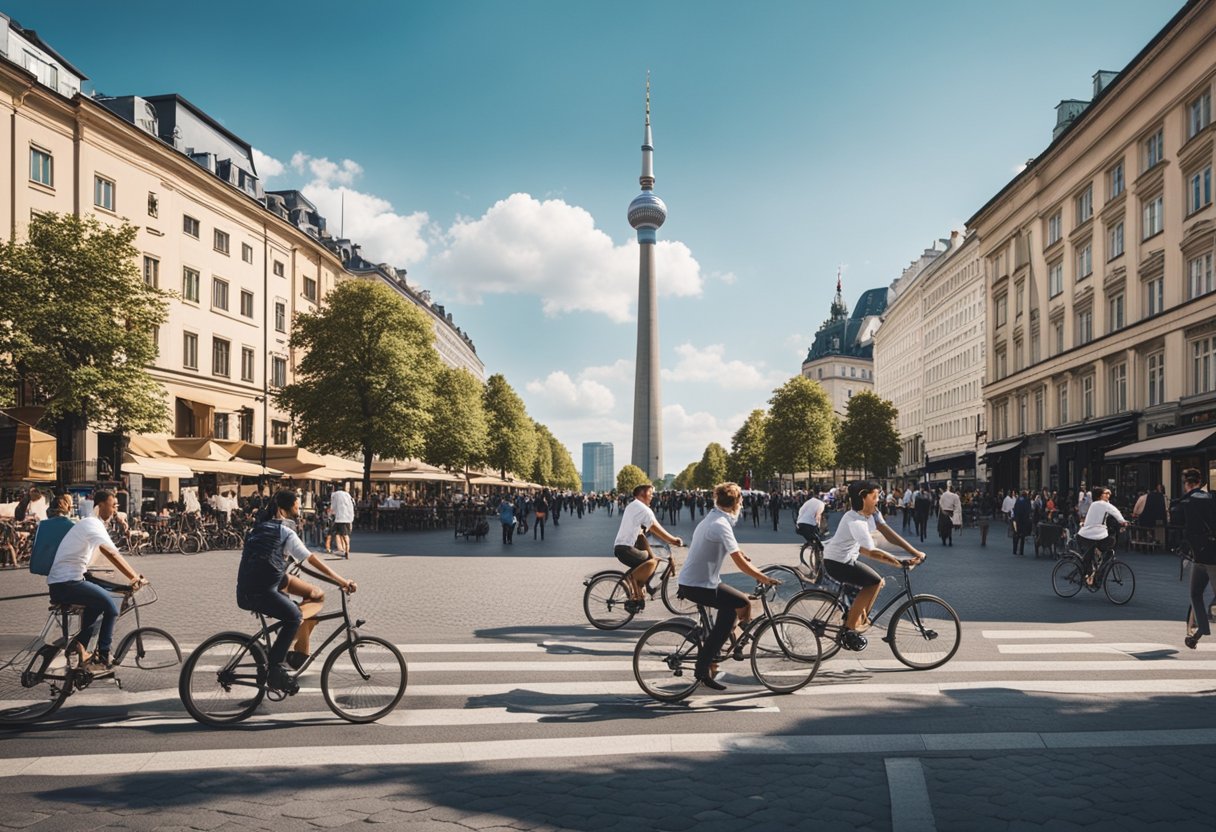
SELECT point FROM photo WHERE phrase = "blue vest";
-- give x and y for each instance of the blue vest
(47, 537)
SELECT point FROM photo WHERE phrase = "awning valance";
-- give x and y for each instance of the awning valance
(952, 462)
(998, 448)
(1158, 446)
(1102, 430)
(150, 467)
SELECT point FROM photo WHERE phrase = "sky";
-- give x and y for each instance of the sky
(492, 148)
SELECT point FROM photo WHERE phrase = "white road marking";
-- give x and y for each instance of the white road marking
(1024, 634)
(1113, 647)
(911, 810)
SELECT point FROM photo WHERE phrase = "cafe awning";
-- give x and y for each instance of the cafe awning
(999, 448)
(953, 462)
(1159, 446)
(154, 467)
(418, 476)
(34, 455)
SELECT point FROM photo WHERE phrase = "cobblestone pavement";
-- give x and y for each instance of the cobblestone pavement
(1054, 714)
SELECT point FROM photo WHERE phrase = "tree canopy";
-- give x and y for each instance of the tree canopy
(629, 478)
(686, 479)
(869, 439)
(542, 465)
(512, 435)
(711, 470)
(565, 474)
(799, 432)
(366, 384)
(458, 436)
(747, 448)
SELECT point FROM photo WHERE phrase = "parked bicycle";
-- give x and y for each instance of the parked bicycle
(225, 679)
(606, 591)
(785, 652)
(924, 631)
(38, 679)
(1112, 575)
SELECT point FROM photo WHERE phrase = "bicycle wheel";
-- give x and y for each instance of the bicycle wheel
(604, 602)
(791, 585)
(1119, 584)
(925, 632)
(677, 605)
(191, 544)
(147, 658)
(664, 662)
(826, 615)
(364, 680)
(785, 654)
(1067, 578)
(224, 680)
(811, 557)
(34, 683)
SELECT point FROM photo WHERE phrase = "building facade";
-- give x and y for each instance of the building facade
(599, 467)
(1100, 299)
(841, 358)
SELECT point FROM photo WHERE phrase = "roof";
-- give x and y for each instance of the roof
(32, 37)
(212, 123)
(840, 338)
(871, 302)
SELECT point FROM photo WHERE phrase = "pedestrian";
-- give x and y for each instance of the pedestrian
(986, 506)
(1196, 508)
(922, 505)
(342, 506)
(755, 498)
(1022, 523)
(950, 516)
(541, 507)
(774, 508)
(506, 515)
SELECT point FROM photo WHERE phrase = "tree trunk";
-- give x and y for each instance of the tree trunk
(367, 473)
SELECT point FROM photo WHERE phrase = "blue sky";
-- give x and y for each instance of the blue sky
(491, 148)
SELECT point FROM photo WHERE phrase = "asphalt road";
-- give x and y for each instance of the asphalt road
(1054, 713)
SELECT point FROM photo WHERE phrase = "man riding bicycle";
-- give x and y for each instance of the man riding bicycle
(810, 515)
(1094, 534)
(262, 586)
(631, 547)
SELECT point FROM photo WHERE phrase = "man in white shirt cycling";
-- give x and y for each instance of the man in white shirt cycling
(631, 548)
(854, 538)
(1093, 532)
(810, 515)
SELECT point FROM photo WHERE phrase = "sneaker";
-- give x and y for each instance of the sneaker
(296, 659)
(1192, 641)
(709, 681)
(631, 606)
(99, 664)
(853, 640)
(280, 678)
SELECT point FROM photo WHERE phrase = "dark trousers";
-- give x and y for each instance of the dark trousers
(727, 601)
(274, 604)
(1091, 549)
(922, 526)
(96, 602)
(508, 532)
(809, 533)
(1201, 575)
(907, 517)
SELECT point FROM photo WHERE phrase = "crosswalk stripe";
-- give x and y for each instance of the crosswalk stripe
(1112, 647)
(1028, 634)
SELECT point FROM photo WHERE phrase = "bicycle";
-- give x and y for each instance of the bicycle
(606, 593)
(785, 653)
(225, 679)
(794, 580)
(1114, 576)
(36, 681)
(924, 632)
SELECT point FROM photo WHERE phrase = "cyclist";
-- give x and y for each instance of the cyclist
(701, 582)
(1094, 534)
(853, 538)
(69, 583)
(631, 547)
(810, 516)
(262, 585)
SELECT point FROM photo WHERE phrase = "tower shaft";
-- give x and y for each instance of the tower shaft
(647, 408)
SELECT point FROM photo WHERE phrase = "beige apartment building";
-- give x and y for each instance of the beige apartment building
(841, 358)
(1101, 356)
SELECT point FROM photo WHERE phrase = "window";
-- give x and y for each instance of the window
(219, 293)
(1118, 388)
(1203, 365)
(1062, 401)
(103, 193)
(278, 268)
(1199, 275)
(1055, 279)
(1055, 228)
(1085, 261)
(221, 241)
(310, 289)
(1115, 312)
(190, 283)
(247, 367)
(151, 272)
(1198, 114)
(1114, 181)
(280, 316)
(1087, 397)
(1001, 366)
(1156, 296)
(1038, 410)
(190, 351)
(1019, 295)
(1085, 205)
(1035, 353)
(246, 303)
(1114, 241)
(853, 372)
(1199, 190)
(1156, 379)
(1153, 221)
(220, 352)
(190, 226)
(1059, 336)
(1021, 415)
(244, 421)
(1085, 326)
(278, 371)
(1154, 149)
(220, 430)
(1002, 310)
(247, 252)
(278, 433)
(42, 167)
(153, 205)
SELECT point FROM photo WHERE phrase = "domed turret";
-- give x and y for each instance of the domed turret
(647, 211)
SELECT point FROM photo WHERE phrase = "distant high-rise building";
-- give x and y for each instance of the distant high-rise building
(598, 467)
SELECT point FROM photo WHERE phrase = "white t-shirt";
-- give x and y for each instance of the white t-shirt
(36, 509)
(77, 549)
(1094, 527)
(852, 534)
(85, 509)
(1007, 504)
(635, 519)
(712, 541)
(810, 512)
(343, 507)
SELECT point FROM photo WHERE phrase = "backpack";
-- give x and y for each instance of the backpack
(922, 504)
(262, 563)
(47, 537)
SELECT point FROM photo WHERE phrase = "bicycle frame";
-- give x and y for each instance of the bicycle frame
(847, 599)
(347, 628)
(745, 632)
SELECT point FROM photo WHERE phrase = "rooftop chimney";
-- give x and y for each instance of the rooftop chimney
(1102, 79)
(1067, 112)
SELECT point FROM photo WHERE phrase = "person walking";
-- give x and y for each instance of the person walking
(506, 516)
(342, 506)
(922, 505)
(1196, 508)
(541, 507)
(1022, 523)
(950, 515)
(774, 508)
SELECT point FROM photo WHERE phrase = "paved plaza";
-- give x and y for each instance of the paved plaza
(1055, 713)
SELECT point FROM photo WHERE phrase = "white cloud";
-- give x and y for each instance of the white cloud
(567, 397)
(1019, 168)
(728, 278)
(267, 167)
(552, 249)
(799, 344)
(709, 364)
(686, 435)
(620, 372)
(324, 171)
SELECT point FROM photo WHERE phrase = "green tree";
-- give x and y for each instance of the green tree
(542, 465)
(512, 436)
(458, 436)
(711, 470)
(747, 448)
(869, 439)
(79, 326)
(366, 384)
(629, 478)
(799, 432)
(687, 478)
(565, 473)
